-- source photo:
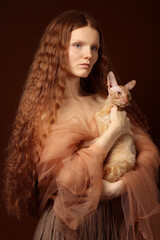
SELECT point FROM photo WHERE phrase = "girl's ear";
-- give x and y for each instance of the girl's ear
(130, 85)
(111, 80)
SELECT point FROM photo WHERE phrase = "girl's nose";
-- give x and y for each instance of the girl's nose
(88, 53)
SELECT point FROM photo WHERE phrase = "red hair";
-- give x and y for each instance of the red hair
(40, 101)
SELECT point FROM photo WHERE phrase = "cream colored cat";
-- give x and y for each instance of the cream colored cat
(122, 155)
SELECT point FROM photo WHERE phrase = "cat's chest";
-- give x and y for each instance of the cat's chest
(103, 119)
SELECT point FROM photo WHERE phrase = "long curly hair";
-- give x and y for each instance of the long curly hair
(40, 101)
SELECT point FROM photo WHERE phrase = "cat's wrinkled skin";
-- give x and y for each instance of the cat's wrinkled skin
(122, 156)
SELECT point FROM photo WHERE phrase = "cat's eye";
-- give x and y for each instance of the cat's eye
(119, 93)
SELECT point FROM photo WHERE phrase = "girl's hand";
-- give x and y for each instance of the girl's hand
(120, 124)
(111, 190)
(120, 121)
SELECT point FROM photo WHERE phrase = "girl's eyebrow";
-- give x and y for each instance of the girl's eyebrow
(80, 41)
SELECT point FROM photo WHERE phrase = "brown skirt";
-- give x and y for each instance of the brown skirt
(104, 224)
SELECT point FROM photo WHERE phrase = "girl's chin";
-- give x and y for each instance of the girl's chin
(83, 74)
(80, 76)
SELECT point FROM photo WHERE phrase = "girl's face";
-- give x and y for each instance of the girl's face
(83, 51)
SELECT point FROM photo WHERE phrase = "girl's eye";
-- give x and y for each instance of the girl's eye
(95, 48)
(77, 45)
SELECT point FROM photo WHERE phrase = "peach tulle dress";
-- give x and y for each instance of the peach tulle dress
(70, 181)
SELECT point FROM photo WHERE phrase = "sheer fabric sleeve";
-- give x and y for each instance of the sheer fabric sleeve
(73, 173)
(141, 199)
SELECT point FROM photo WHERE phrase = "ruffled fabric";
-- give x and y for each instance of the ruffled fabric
(141, 199)
(71, 175)
(102, 225)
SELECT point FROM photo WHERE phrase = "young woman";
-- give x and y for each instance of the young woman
(49, 172)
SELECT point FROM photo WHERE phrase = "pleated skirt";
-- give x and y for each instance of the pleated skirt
(103, 224)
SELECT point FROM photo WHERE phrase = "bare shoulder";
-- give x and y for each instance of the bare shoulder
(96, 102)
(98, 99)
(70, 106)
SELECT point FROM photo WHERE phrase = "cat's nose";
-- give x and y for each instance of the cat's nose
(125, 100)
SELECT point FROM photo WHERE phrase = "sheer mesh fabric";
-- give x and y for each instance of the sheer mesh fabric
(140, 200)
(71, 175)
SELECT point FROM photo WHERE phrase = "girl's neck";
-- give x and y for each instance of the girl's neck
(73, 88)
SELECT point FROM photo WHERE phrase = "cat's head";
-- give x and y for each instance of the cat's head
(119, 95)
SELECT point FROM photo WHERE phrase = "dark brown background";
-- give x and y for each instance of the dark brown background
(131, 31)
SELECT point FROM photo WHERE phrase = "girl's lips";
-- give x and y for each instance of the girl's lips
(85, 65)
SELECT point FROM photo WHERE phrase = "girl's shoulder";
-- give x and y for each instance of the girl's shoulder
(83, 107)
(98, 98)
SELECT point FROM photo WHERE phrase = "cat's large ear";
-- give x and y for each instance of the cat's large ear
(111, 80)
(130, 85)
